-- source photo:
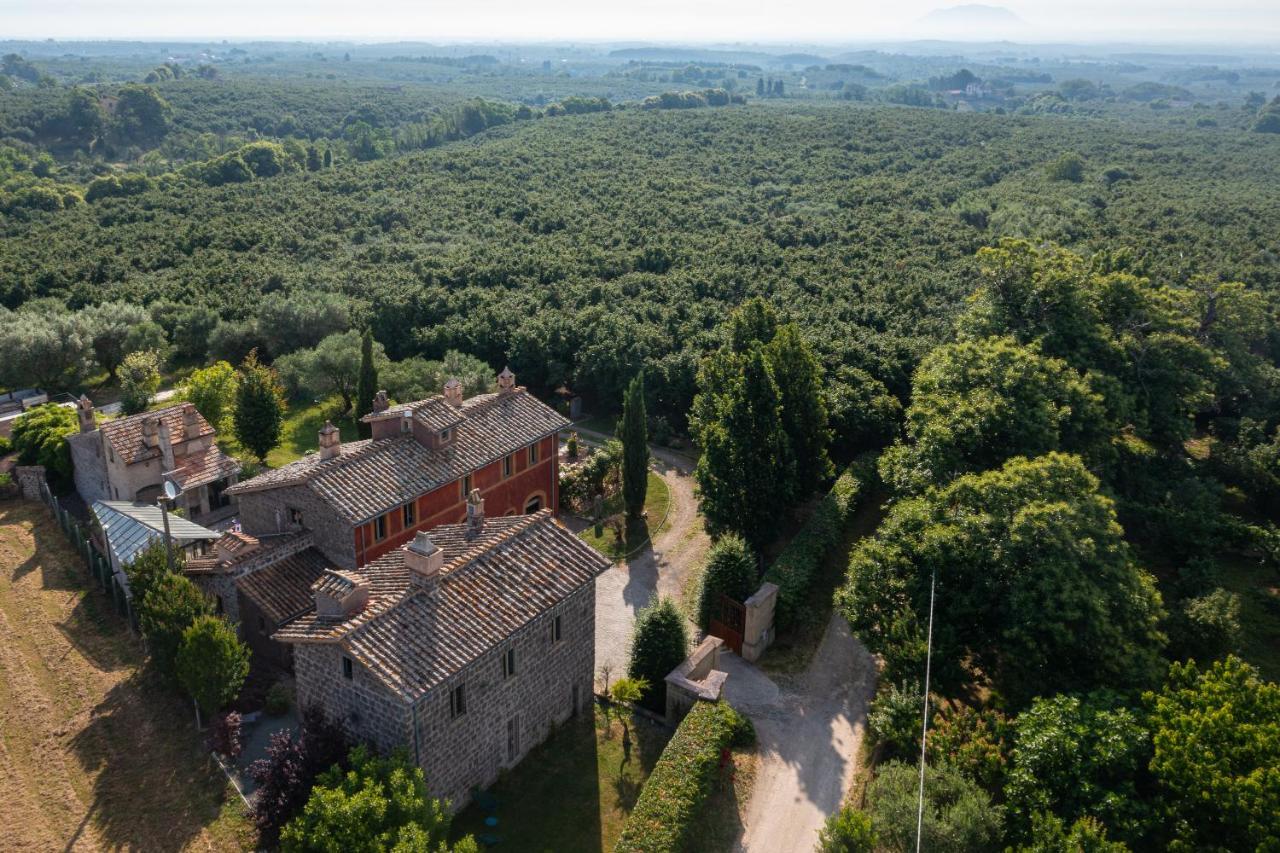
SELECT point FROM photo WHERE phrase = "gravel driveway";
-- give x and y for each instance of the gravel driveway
(662, 568)
(809, 737)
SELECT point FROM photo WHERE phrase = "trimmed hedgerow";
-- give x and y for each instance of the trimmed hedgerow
(665, 817)
(797, 565)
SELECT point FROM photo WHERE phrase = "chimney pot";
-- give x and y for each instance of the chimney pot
(380, 402)
(475, 514)
(84, 409)
(423, 557)
(453, 393)
(330, 441)
(506, 381)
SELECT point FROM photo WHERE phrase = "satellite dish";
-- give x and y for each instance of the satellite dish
(170, 490)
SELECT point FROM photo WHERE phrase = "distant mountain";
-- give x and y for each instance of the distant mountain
(972, 15)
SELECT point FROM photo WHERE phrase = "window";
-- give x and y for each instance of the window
(217, 603)
(533, 504)
(458, 701)
(513, 738)
(445, 435)
(509, 663)
(466, 486)
(557, 630)
(508, 462)
(533, 454)
(262, 624)
(348, 668)
(410, 514)
(295, 516)
(380, 528)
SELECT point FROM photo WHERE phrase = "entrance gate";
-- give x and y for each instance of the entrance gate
(728, 622)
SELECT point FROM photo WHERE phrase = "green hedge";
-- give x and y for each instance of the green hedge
(796, 567)
(665, 817)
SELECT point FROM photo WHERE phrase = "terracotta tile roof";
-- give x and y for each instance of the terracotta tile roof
(337, 582)
(371, 477)
(236, 546)
(434, 413)
(125, 434)
(204, 466)
(282, 590)
(413, 636)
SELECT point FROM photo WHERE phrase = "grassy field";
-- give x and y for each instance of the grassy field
(300, 432)
(572, 793)
(93, 754)
(657, 501)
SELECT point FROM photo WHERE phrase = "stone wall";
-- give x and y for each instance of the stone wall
(552, 682)
(467, 752)
(90, 468)
(697, 678)
(31, 481)
(266, 513)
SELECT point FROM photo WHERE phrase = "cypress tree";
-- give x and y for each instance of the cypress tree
(804, 411)
(635, 448)
(367, 386)
(746, 473)
(259, 407)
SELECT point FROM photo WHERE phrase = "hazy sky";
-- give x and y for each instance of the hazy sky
(819, 21)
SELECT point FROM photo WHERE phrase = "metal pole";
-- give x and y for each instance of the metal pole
(168, 542)
(924, 729)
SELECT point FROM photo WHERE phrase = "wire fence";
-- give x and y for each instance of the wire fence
(99, 567)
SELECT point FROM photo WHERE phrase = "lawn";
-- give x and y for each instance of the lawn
(94, 754)
(300, 432)
(572, 793)
(656, 503)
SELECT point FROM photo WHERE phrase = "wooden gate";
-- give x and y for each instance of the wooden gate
(728, 622)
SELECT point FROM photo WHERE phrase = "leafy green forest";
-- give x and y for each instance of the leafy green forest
(1041, 291)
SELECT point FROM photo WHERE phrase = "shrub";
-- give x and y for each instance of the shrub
(170, 605)
(5, 445)
(1068, 167)
(731, 571)
(894, 720)
(798, 564)
(139, 380)
(976, 743)
(40, 435)
(211, 662)
(847, 831)
(284, 778)
(278, 700)
(599, 474)
(958, 815)
(1206, 627)
(224, 735)
(666, 815)
(660, 643)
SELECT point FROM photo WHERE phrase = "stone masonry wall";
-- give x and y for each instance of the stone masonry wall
(265, 513)
(90, 469)
(468, 751)
(458, 754)
(369, 711)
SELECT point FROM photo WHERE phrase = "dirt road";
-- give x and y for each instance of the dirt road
(809, 737)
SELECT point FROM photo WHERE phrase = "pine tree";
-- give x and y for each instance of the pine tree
(259, 407)
(746, 473)
(759, 87)
(804, 411)
(635, 448)
(367, 387)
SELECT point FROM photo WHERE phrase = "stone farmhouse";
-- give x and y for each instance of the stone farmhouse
(464, 646)
(364, 499)
(349, 504)
(128, 459)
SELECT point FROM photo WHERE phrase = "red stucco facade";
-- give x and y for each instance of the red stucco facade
(504, 494)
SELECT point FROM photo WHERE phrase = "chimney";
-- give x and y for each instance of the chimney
(330, 441)
(423, 558)
(453, 393)
(475, 514)
(190, 420)
(506, 381)
(84, 408)
(150, 431)
(380, 402)
(166, 444)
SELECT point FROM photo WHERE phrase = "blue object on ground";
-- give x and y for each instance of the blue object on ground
(491, 821)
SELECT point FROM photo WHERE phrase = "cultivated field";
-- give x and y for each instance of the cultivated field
(93, 753)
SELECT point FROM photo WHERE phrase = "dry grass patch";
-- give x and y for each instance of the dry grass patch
(93, 754)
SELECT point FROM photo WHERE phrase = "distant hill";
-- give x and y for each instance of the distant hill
(972, 15)
(712, 55)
